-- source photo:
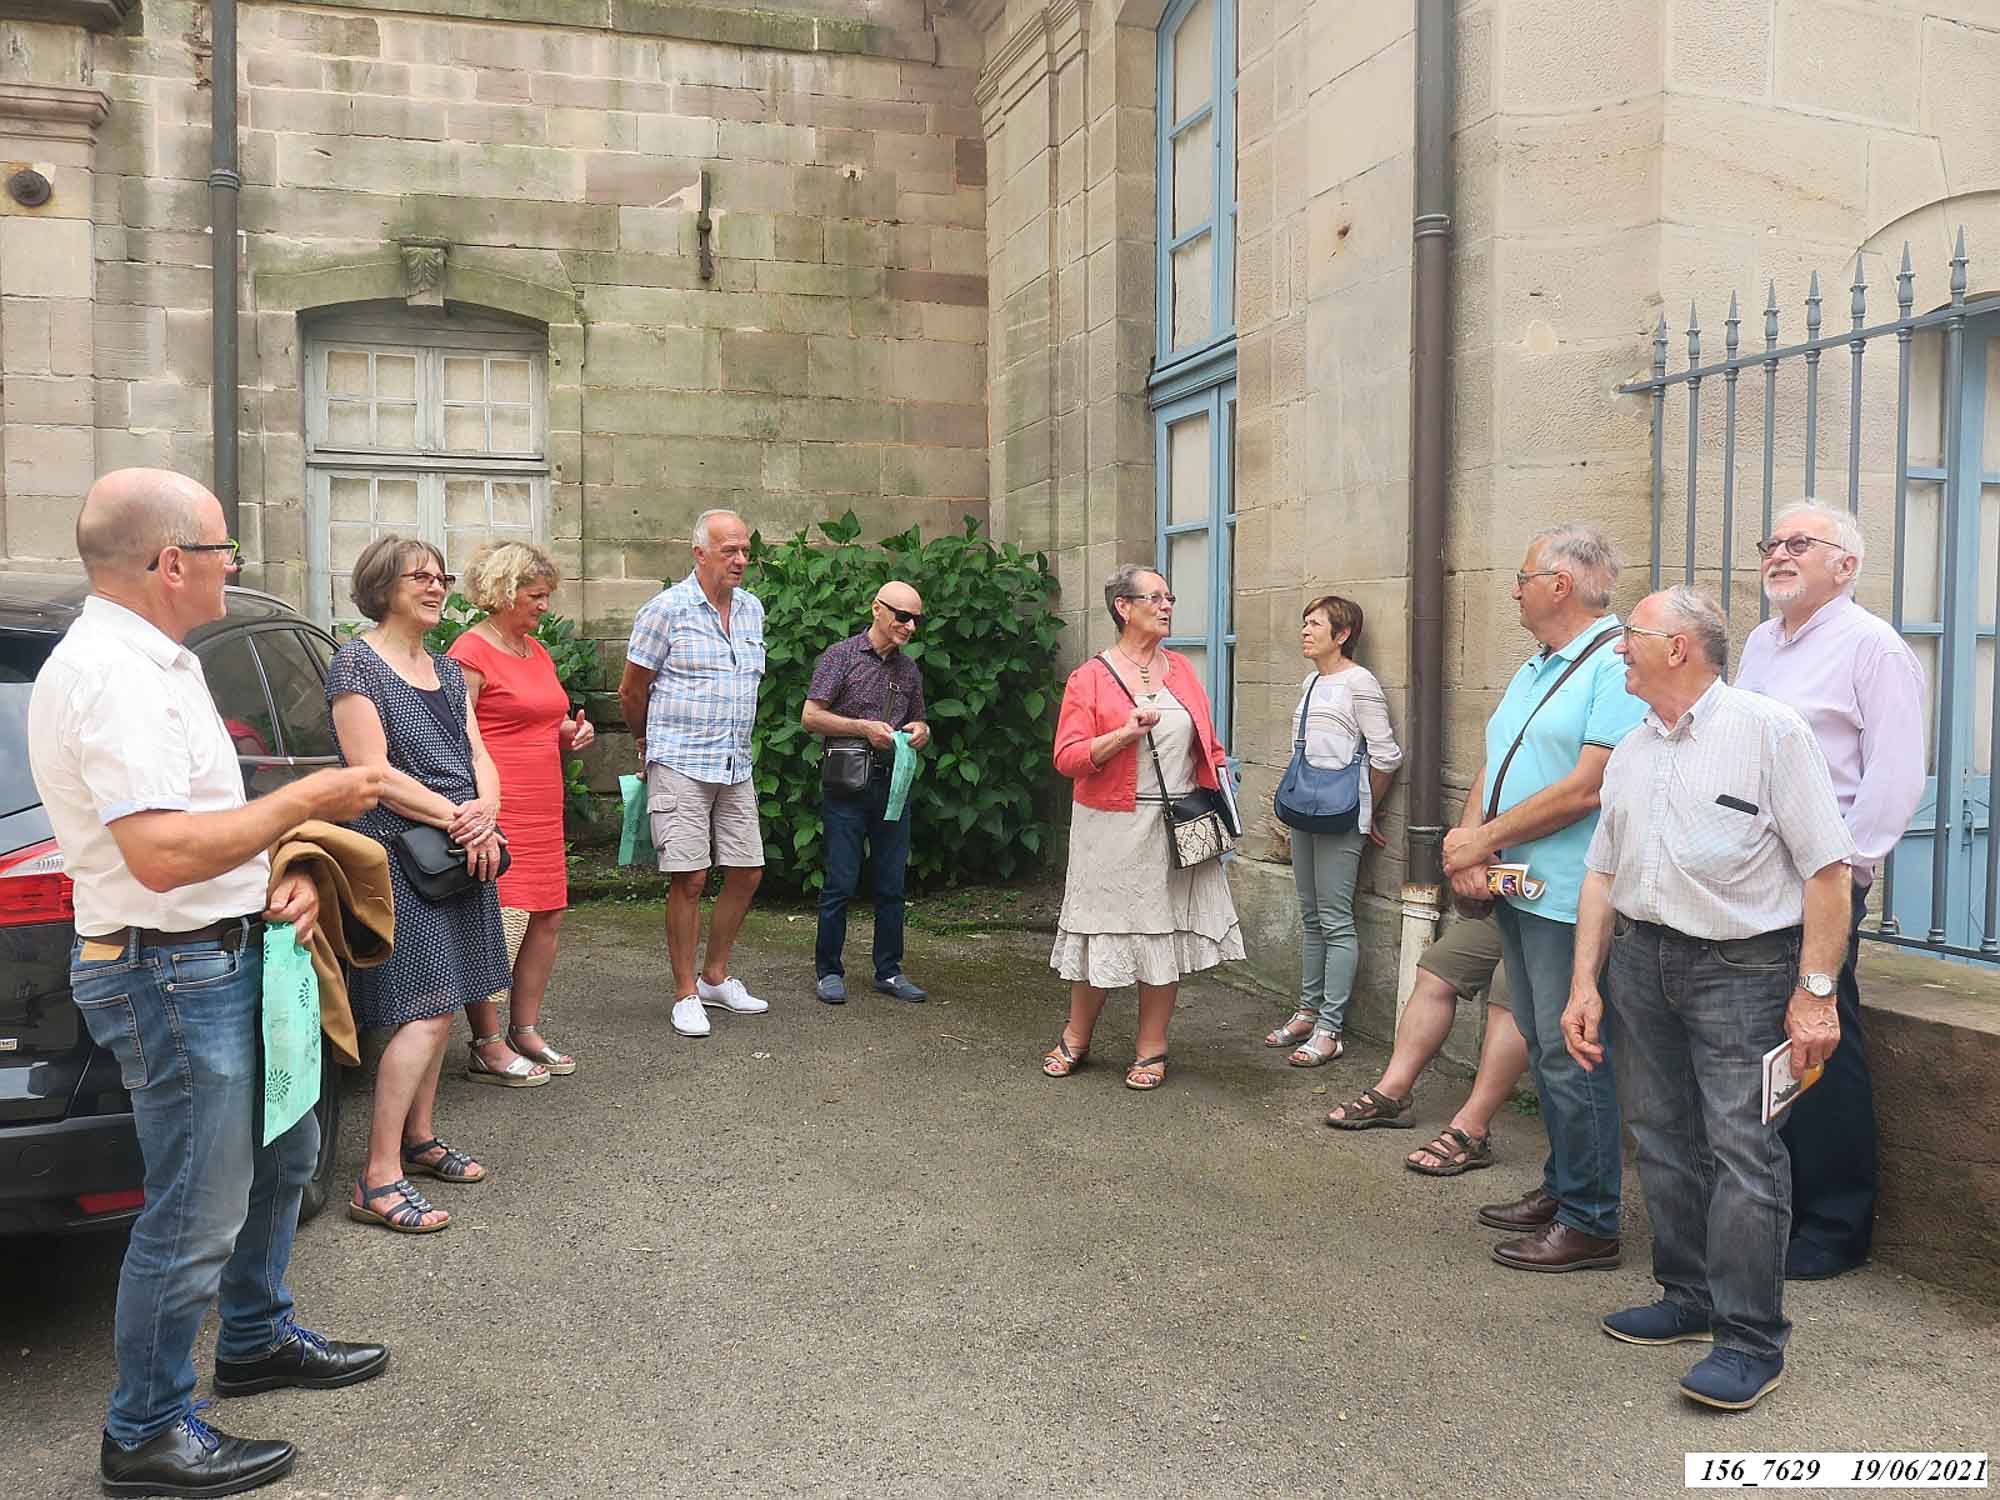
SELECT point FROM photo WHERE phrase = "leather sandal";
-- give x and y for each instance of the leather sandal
(1060, 1062)
(1371, 1110)
(1294, 1031)
(559, 1063)
(404, 1216)
(1319, 1049)
(453, 1166)
(1454, 1151)
(1147, 1073)
(518, 1074)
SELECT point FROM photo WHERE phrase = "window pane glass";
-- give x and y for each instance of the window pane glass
(510, 429)
(1922, 560)
(1194, 58)
(1198, 659)
(298, 692)
(239, 696)
(1188, 570)
(1194, 292)
(396, 376)
(346, 372)
(343, 546)
(1194, 175)
(347, 423)
(465, 380)
(396, 502)
(395, 426)
(510, 380)
(465, 502)
(513, 503)
(348, 498)
(465, 429)
(1187, 470)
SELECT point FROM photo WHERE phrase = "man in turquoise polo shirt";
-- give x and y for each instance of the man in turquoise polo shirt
(1536, 804)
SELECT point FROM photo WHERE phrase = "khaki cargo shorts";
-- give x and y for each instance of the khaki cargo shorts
(1467, 958)
(697, 824)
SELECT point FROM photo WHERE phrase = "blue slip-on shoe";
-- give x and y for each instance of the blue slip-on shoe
(1662, 1323)
(832, 989)
(1806, 1261)
(1732, 1380)
(899, 987)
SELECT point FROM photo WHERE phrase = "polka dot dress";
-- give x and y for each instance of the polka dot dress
(447, 953)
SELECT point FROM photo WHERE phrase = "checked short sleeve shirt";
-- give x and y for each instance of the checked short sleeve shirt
(856, 681)
(704, 695)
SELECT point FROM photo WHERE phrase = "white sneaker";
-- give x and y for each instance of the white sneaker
(689, 1018)
(731, 996)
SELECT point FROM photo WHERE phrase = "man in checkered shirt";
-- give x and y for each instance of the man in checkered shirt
(692, 670)
(1718, 882)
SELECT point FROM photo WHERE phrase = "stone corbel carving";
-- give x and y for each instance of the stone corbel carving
(423, 272)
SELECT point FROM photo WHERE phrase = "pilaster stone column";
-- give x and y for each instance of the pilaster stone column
(48, 424)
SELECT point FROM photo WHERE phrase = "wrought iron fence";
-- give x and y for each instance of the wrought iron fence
(1957, 820)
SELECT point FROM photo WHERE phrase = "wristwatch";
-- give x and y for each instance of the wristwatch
(1819, 986)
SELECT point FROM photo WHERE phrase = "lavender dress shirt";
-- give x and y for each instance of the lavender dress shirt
(1861, 689)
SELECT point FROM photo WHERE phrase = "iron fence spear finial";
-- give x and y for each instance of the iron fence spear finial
(1730, 327)
(1771, 319)
(1860, 290)
(1958, 270)
(1906, 285)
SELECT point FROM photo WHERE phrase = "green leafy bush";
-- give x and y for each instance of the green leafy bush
(987, 650)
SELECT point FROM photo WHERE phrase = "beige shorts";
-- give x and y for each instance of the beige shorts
(1467, 958)
(697, 824)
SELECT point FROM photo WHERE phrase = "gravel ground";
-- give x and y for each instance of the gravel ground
(870, 1251)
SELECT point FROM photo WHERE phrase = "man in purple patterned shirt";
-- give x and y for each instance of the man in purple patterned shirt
(1861, 689)
(865, 688)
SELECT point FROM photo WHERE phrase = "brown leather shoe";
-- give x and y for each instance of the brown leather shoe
(1529, 1211)
(1557, 1247)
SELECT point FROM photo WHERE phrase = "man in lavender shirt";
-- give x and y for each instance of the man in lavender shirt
(1861, 689)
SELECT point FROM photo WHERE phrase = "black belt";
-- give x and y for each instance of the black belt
(1656, 931)
(231, 933)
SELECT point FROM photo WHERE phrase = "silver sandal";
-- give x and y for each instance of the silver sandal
(556, 1062)
(518, 1074)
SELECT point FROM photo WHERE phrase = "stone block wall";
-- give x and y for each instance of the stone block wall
(835, 359)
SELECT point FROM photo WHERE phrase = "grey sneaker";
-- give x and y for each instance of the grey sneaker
(832, 989)
(899, 987)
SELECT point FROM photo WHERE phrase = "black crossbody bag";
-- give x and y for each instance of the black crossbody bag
(1196, 829)
(435, 867)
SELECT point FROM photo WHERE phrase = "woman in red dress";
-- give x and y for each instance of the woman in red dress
(526, 722)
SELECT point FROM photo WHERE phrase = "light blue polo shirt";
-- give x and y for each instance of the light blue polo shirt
(1593, 708)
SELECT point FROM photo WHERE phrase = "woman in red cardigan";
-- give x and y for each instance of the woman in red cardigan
(1128, 916)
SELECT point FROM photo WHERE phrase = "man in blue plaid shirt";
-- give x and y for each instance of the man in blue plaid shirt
(692, 670)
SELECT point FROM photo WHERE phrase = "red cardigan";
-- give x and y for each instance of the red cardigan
(1095, 703)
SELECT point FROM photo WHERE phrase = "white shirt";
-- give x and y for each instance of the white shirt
(1347, 707)
(121, 722)
(1713, 826)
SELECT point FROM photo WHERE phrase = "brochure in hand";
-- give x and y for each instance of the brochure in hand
(1781, 1084)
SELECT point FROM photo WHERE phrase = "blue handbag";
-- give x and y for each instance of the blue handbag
(1314, 800)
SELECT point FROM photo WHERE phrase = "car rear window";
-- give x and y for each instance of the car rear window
(21, 656)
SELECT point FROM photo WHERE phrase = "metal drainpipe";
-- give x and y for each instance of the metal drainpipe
(225, 185)
(1430, 432)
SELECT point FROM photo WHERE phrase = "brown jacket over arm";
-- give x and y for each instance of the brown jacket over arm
(357, 914)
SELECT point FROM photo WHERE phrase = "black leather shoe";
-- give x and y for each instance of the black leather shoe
(304, 1359)
(1806, 1261)
(192, 1458)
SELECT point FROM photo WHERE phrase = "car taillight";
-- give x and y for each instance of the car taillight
(121, 1202)
(33, 888)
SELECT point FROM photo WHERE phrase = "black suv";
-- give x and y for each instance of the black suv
(68, 1156)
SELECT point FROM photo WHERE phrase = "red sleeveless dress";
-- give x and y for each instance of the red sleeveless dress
(522, 706)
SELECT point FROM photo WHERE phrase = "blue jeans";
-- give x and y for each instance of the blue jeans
(849, 822)
(1584, 1172)
(1325, 867)
(184, 1024)
(1831, 1134)
(1694, 1020)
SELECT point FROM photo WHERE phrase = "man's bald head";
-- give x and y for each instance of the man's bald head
(130, 515)
(899, 595)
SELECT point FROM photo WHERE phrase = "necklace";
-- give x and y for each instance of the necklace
(499, 639)
(1144, 669)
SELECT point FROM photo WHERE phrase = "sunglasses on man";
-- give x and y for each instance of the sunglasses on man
(903, 616)
(233, 547)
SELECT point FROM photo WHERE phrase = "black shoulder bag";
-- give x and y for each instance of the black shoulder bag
(1468, 906)
(1196, 829)
(435, 867)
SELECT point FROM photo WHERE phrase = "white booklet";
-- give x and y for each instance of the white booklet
(1232, 816)
(1781, 1085)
